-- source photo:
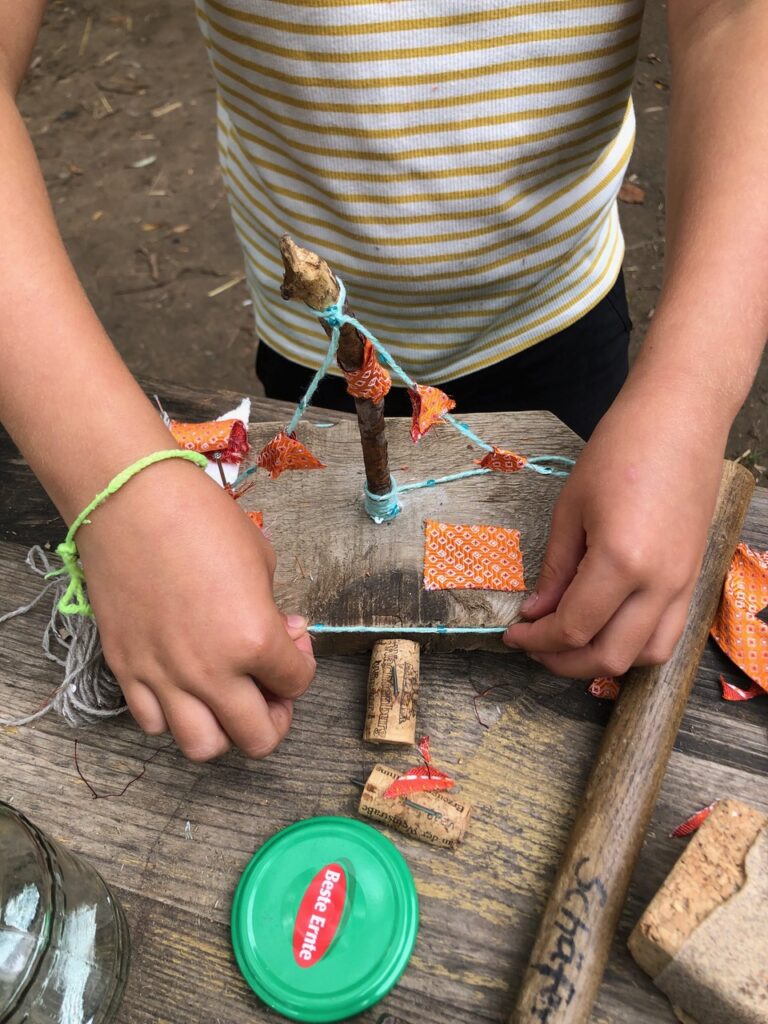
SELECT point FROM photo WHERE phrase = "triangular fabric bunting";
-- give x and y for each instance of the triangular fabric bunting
(228, 437)
(285, 452)
(500, 460)
(371, 381)
(429, 404)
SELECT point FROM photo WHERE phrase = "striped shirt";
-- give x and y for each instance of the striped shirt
(456, 162)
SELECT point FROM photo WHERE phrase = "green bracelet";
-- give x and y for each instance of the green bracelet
(74, 601)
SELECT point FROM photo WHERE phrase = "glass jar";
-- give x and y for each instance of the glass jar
(63, 935)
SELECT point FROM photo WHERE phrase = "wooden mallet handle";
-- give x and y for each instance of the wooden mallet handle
(580, 919)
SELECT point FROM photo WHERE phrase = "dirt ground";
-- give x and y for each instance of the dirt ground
(121, 109)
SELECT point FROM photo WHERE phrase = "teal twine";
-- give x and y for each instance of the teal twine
(468, 432)
(434, 481)
(544, 464)
(440, 629)
(382, 507)
(334, 317)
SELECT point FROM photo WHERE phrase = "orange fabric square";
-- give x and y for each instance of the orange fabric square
(472, 557)
(737, 629)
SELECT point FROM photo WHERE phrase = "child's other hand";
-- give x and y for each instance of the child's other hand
(180, 581)
(628, 535)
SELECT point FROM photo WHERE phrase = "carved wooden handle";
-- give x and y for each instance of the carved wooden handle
(580, 919)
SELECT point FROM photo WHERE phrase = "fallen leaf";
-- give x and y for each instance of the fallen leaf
(631, 193)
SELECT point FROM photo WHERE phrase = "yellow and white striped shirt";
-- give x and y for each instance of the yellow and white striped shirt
(456, 161)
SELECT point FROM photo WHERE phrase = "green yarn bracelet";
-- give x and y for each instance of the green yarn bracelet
(74, 601)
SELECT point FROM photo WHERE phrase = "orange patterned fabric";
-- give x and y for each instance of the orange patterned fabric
(604, 688)
(257, 518)
(285, 452)
(502, 461)
(737, 629)
(226, 436)
(429, 404)
(371, 381)
(469, 557)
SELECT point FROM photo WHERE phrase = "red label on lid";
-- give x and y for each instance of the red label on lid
(319, 914)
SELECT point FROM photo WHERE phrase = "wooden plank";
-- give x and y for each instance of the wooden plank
(339, 567)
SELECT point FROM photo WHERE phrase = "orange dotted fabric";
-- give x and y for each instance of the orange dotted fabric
(429, 404)
(502, 461)
(226, 436)
(737, 629)
(472, 557)
(285, 452)
(604, 688)
(371, 381)
(257, 518)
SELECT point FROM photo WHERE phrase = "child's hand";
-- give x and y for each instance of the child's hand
(181, 585)
(627, 539)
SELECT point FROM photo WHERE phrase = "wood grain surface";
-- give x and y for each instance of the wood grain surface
(339, 567)
(175, 844)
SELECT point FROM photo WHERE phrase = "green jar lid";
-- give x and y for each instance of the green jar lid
(324, 919)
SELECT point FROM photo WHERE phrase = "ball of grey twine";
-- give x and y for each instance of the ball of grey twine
(88, 692)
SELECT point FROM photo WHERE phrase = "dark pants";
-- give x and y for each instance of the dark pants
(576, 374)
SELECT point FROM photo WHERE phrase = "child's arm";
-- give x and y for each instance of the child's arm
(629, 530)
(179, 578)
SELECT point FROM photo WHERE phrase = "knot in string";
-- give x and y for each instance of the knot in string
(334, 314)
(73, 601)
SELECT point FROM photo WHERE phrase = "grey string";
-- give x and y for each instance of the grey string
(88, 692)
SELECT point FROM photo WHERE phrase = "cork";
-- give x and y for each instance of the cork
(433, 818)
(707, 875)
(393, 682)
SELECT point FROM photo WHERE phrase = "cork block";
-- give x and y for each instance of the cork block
(709, 872)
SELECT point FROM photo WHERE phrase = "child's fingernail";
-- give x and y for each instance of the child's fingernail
(295, 622)
(529, 603)
(510, 643)
(534, 657)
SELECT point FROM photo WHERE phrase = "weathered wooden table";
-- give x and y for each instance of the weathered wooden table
(175, 844)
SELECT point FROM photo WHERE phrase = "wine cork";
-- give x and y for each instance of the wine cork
(393, 682)
(432, 817)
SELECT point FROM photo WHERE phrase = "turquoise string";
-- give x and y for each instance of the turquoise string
(545, 464)
(434, 481)
(321, 627)
(334, 317)
(384, 507)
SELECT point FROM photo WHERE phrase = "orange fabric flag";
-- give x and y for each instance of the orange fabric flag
(502, 461)
(229, 437)
(429, 404)
(737, 629)
(285, 452)
(371, 381)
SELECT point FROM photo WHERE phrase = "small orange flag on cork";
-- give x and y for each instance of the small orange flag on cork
(502, 461)
(429, 404)
(285, 452)
(737, 629)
